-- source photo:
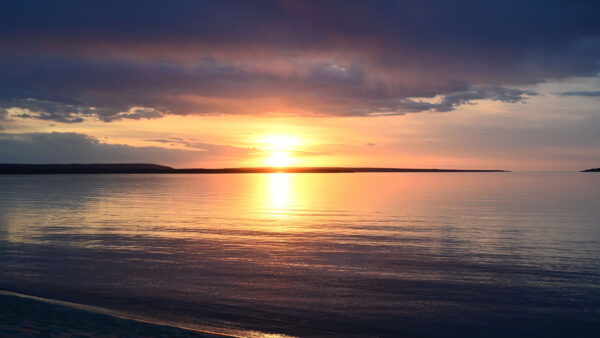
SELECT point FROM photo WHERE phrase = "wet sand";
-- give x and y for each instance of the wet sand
(27, 317)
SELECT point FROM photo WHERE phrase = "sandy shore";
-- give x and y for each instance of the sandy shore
(30, 317)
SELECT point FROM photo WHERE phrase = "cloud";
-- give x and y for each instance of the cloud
(133, 60)
(222, 150)
(229, 151)
(80, 148)
(451, 101)
(580, 93)
(134, 113)
(507, 95)
(3, 117)
(73, 113)
(46, 110)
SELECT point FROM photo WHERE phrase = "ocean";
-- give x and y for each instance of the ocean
(365, 254)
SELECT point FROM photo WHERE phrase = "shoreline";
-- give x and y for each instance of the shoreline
(28, 314)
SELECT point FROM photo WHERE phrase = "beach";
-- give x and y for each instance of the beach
(25, 316)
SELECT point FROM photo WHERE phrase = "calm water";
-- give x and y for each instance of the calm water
(474, 254)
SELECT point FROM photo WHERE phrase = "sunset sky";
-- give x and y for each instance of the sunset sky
(448, 84)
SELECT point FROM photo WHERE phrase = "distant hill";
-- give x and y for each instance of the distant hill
(591, 170)
(77, 168)
(143, 168)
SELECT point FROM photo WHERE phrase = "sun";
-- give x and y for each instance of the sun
(279, 149)
(279, 158)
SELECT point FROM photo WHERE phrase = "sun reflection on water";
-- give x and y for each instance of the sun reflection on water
(280, 194)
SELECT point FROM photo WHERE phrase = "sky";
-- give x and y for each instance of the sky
(423, 84)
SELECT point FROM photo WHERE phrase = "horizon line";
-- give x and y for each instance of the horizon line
(33, 168)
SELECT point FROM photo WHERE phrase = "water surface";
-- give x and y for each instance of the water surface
(373, 254)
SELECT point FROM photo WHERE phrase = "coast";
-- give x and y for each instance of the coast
(25, 316)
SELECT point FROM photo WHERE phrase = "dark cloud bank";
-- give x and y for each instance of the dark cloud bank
(581, 93)
(111, 60)
(80, 148)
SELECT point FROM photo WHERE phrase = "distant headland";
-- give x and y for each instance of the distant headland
(593, 170)
(144, 168)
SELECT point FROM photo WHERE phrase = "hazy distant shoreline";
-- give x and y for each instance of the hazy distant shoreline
(143, 168)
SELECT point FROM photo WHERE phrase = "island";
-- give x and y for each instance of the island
(145, 168)
(593, 170)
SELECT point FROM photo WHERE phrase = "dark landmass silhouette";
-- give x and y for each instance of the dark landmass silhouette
(78, 168)
(143, 168)
(593, 170)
